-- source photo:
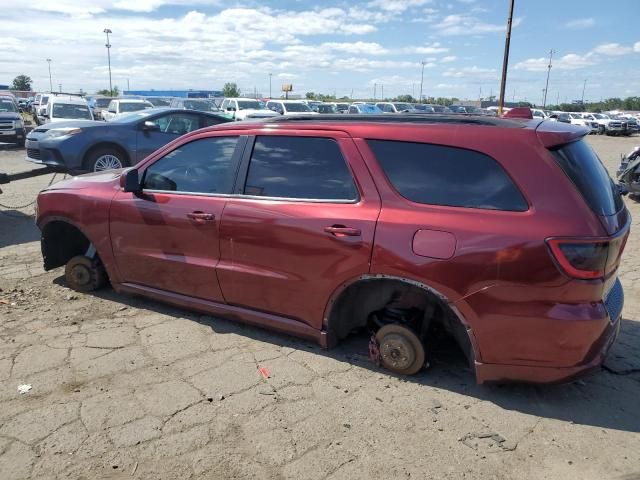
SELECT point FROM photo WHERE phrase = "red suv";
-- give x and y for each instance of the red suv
(507, 234)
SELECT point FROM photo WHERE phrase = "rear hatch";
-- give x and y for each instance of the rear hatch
(589, 258)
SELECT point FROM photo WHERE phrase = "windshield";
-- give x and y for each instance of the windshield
(368, 108)
(133, 107)
(250, 104)
(296, 107)
(403, 106)
(7, 106)
(599, 116)
(575, 116)
(44, 100)
(70, 110)
(327, 109)
(103, 102)
(158, 102)
(200, 105)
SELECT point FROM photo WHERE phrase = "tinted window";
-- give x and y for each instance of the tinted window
(587, 173)
(208, 121)
(177, 123)
(439, 175)
(291, 167)
(201, 166)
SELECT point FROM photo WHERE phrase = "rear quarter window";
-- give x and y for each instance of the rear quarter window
(585, 170)
(449, 176)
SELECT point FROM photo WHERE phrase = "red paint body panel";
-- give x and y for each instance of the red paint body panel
(274, 263)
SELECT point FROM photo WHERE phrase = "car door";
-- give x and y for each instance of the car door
(166, 237)
(300, 225)
(168, 127)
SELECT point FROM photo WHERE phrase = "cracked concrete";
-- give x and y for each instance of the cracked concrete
(128, 388)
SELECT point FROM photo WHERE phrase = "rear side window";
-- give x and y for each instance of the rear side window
(439, 175)
(299, 167)
(580, 163)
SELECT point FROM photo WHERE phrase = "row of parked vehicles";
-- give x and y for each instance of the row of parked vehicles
(597, 123)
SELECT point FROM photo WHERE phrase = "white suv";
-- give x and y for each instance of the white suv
(67, 107)
(246, 108)
(121, 106)
(290, 107)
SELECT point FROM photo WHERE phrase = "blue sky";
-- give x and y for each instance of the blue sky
(332, 46)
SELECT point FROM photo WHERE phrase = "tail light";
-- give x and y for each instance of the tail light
(587, 259)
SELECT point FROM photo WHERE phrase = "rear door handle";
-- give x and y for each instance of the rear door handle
(201, 217)
(342, 231)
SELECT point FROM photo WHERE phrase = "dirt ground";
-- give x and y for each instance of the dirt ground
(124, 387)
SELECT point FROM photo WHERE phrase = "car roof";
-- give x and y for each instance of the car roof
(131, 100)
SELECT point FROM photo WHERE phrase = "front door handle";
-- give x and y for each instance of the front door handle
(201, 217)
(342, 231)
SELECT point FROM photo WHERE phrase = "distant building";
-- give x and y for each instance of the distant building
(4, 87)
(176, 93)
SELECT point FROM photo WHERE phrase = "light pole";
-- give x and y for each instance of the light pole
(546, 88)
(50, 81)
(270, 75)
(505, 60)
(108, 45)
(60, 87)
(584, 85)
(423, 63)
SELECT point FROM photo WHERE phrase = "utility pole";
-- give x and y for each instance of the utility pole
(558, 98)
(546, 88)
(505, 60)
(108, 45)
(128, 87)
(270, 75)
(584, 85)
(375, 86)
(50, 81)
(382, 91)
(423, 63)
(60, 88)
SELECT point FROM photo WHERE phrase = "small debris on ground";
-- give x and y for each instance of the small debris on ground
(25, 388)
(264, 372)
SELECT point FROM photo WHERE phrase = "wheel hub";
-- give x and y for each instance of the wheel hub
(107, 162)
(397, 352)
(81, 275)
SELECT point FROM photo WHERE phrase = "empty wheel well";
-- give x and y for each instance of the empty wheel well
(61, 241)
(106, 146)
(354, 307)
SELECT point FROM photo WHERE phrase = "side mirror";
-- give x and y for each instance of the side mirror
(130, 181)
(150, 126)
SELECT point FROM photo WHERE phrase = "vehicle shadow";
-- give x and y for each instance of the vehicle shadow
(17, 227)
(605, 398)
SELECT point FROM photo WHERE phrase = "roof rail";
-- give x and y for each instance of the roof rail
(416, 118)
(67, 93)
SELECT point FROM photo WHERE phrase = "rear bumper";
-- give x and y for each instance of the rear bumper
(571, 341)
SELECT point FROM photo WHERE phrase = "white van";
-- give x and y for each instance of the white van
(67, 107)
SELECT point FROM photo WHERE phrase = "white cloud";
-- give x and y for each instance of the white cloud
(428, 49)
(580, 23)
(612, 49)
(449, 58)
(471, 72)
(469, 25)
(636, 47)
(397, 6)
(365, 48)
(570, 61)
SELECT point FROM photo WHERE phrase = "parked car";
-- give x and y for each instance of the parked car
(200, 104)
(66, 107)
(326, 108)
(403, 225)
(396, 107)
(290, 107)
(629, 173)
(80, 146)
(123, 106)
(41, 108)
(364, 108)
(608, 125)
(440, 109)
(246, 109)
(159, 101)
(98, 105)
(423, 108)
(11, 123)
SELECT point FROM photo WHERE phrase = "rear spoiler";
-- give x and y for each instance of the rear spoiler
(553, 134)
